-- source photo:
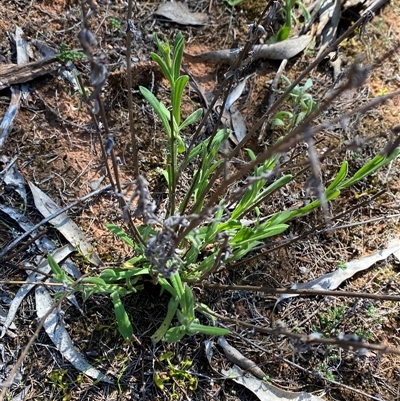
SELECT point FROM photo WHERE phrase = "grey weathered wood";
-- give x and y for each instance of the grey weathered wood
(11, 74)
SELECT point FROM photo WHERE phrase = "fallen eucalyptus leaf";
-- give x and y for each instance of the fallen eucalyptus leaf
(22, 396)
(238, 124)
(44, 49)
(20, 219)
(263, 390)
(328, 23)
(12, 177)
(3, 316)
(64, 224)
(8, 119)
(58, 334)
(208, 347)
(23, 48)
(331, 281)
(45, 245)
(365, 5)
(277, 51)
(236, 119)
(42, 270)
(179, 13)
(236, 92)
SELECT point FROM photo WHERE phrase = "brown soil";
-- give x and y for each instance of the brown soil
(58, 150)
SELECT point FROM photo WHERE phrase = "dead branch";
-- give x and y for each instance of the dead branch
(11, 74)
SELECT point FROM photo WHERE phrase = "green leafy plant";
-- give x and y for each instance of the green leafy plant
(324, 369)
(177, 373)
(365, 335)
(209, 225)
(62, 384)
(330, 320)
(302, 105)
(284, 31)
(170, 64)
(371, 310)
(115, 23)
(67, 54)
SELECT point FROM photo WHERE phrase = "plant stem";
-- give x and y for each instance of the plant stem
(129, 81)
(172, 166)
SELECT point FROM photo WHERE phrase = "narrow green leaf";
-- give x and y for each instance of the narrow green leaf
(124, 324)
(247, 199)
(182, 318)
(164, 67)
(305, 12)
(369, 168)
(181, 144)
(191, 119)
(166, 285)
(158, 107)
(210, 330)
(164, 49)
(176, 96)
(55, 267)
(266, 232)
(192, 254)
(207, 263)
(240, 252)
(94, 280)
(177, 285)
(229, 225)
(244, 234)
(174, 334)
(120, 234)
(340, 176)
(313, 205)
(233, 3)
(279, 183)
(166, 176)
(212, 229)
(195, 152)
(202, 185)
(178, 54)
(122, 274)
(251, 154)
(253, 195)
(159, 334)
(278, 218)
(188, 297)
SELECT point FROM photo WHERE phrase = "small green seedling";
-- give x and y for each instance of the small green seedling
(66, 54)
(115, 23)
(178, 374)
(302, 105)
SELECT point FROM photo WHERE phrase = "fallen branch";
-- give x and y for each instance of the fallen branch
(11, 74)
(302, 291)
(350, 341)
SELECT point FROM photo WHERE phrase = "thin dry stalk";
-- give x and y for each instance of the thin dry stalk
(271, 290)
(350, 342)
(130, 30)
